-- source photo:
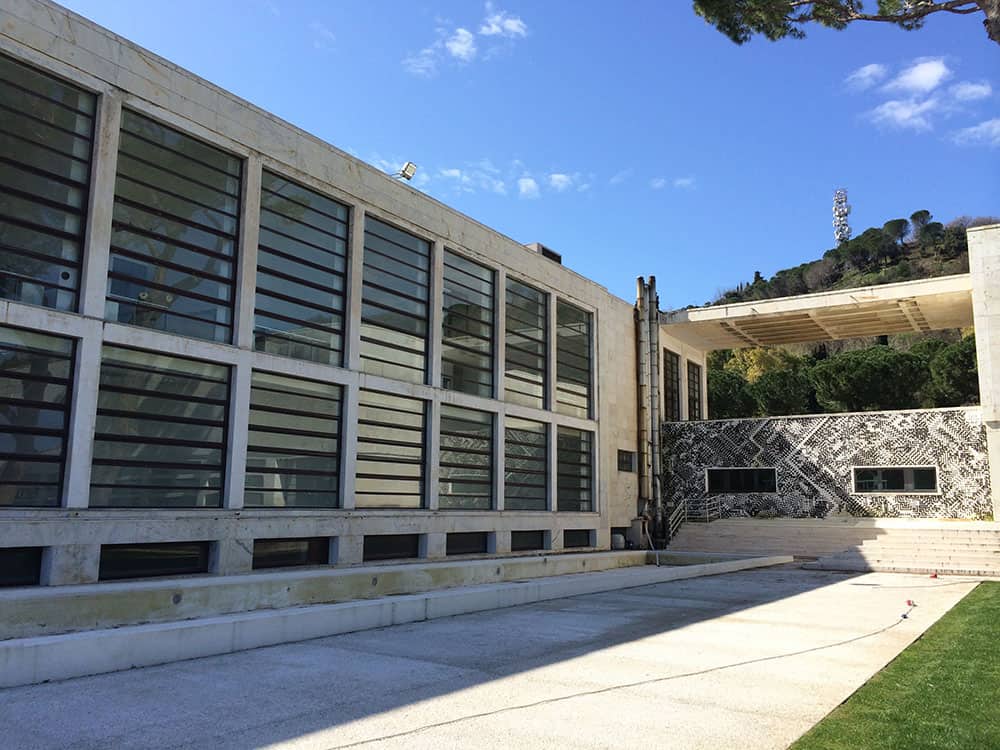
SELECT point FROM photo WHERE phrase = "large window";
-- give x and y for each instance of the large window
(36, 376)
(671, 386)
(301, 266)
(466, 464)
(153, 560)
(394, 303)
(694, 391)
(160, 439)
(467, 327)
(730, 480)
(915, 479)
(174, 234)
(526, 465)
(526, 350)
(575, 470)
(46, 139)
(293, 451)
(390, 464)
(572, 360)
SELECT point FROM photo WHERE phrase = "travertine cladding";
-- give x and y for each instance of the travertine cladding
(814, 455)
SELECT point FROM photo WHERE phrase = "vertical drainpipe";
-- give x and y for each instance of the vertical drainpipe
(642, 362)
(654, 404)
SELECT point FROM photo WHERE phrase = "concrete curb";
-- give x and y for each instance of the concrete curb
(26, 661)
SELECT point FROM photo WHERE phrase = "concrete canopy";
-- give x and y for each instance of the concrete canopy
(905, 307)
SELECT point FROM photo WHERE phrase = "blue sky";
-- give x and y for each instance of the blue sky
(632, 137)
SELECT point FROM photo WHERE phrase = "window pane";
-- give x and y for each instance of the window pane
(574, 480)
(293, 451)
(20, 566)
(36, 374)
(161, 431)
(573, 352)
(694, 391)
(301, 262)
(730, 480)
(174, 232)
(671, 386)
(526, 461)
(467, 327)
(46, 138)
(390, 464)
(526, 345)
(147, 560)
(394, 311)
(466, 461)
(287, 553)
(920, 479)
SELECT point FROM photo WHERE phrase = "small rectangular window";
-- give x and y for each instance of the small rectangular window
(20, 566)
(731, 480)
(526, 541)
(468, 543)
(46, 143)
(290, 553)
(576, 538)
(466, 459)
(694, 391)
(626, 461)
(897, 479)
(391, 547)
(151, 560)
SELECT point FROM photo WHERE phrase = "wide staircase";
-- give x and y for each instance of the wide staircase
(854, 544)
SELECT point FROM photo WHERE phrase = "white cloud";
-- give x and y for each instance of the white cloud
(684, 183)
(474, 179)
(905, 114)
(986, 133)
(501, 23)
(422, 64)
(560, 182)
(461, 45)
(866, 76)
(620, 177)
(273, 9)
(967, 91)
(324, 38)
(658, 183)
(527, 187)
(922, 76)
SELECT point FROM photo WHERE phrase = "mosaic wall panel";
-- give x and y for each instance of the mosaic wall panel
(814, 456)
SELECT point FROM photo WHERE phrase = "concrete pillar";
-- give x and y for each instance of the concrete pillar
(435, 313)
(984, 268)
(239, 417)
(434, 546)
(232, 557)
(501, 543)
(246, 266)
(432, 454)
(83, 418)
(355, 278)
(349, 549)
(349, 445)
(70, 563)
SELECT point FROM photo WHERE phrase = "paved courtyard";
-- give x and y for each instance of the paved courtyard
(637, 668)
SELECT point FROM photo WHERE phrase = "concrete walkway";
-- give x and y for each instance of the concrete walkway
(609, 670)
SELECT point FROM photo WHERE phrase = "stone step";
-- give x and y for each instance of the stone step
(865, 567)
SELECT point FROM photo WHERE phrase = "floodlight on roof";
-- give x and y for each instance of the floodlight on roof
(408, 170)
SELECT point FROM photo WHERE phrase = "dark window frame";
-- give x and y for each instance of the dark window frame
(907, 475)
(671, 386)
(522, 425)
(204, 552)
(317, 553)
(491, 354)
(694, 390)
(727, 475)
(565, 359)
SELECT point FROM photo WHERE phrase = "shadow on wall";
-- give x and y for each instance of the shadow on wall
(814, 457)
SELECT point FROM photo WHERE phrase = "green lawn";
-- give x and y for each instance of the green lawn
(941, 692)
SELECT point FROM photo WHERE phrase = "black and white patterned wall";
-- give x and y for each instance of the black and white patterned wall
(814, 456)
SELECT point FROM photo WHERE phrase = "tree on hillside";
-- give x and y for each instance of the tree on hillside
(877, 378)
(728, 396)
(777, 19)
(954, 374)
(784, 391)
